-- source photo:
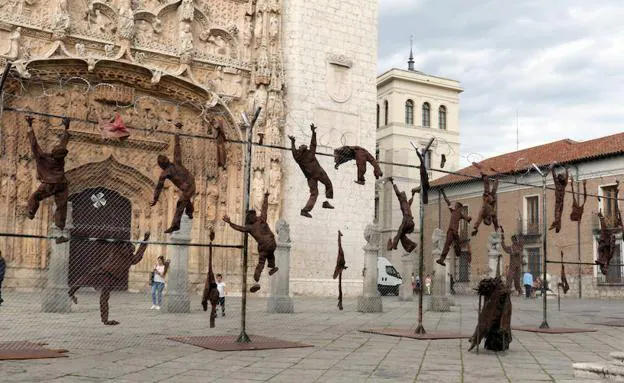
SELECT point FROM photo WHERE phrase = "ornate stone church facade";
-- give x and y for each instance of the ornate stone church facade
(157, 62)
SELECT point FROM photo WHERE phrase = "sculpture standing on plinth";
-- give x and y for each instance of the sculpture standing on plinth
(488, 214)
(180, 177)
(561, 182)
(110, 274)
(452, 233)
(407, 224)
(314, 173)
(361, 156)
(515, 260)
(51, 173)
(259, 229)
(494, 323)
(340, 266)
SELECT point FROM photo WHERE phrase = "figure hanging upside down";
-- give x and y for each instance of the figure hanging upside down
(361, 156)
(114, 128)
(51, 173)
(180, 177)
(606, 245)
(561, 182)
(110, 274)
(340, 267)
(211, 294)
(488, 214)
(564, 280)
(314, 173)
(407, 224)
(494, 323)
(259, 229)
(452, 233)
(424, 179)
(577, 209)
(515, 260)
(221, 139)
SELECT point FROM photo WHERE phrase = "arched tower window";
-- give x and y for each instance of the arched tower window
(377, 116)
(426, 115)
(409, 112)
(386, 111)
(442, 117)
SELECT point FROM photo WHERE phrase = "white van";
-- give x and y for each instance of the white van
(388, 278)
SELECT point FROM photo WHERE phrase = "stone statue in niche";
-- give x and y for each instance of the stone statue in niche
(314, 173)
(361, 156)
(274, 6)
(186, 41)
(101, 23)
(14, 44)
(219, 46)
(177, 173)
(276, 76)
(248, 31)
(51, 173)
(273, 28)
(212, 198)
(186, 11)
(60, 20)
(110, 274)
(259, 229)
(257, 189)
(275, 181)
(258, 29)
(263, 70)
(125, 23)
(80, 50)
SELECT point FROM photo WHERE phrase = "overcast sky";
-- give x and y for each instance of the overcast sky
(558, 63)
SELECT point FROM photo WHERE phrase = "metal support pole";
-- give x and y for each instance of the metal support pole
(578, 241)
(243, 337)
(545, 244)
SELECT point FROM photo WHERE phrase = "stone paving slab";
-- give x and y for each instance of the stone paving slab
(138, 349)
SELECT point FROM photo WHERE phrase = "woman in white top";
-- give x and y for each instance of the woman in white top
(160, 270)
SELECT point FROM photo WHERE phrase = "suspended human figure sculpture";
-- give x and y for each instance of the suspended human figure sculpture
(515, 252)
(51, 174)
(488, 214)
(259, 229)
(110, 274)
(452, 233)
(211, 293)
(314, 173)
(180, 177)
(564, 280)
(361, 156)
(577, 209)
(606, 245)
(561, 182)
(407, 224)
(340, 266)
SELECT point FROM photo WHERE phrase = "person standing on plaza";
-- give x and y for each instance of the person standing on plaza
(221, 290)
(428, 284)
(2, 270)
(527, 280)
(160, 270)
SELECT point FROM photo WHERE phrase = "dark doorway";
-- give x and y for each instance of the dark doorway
(97, 213)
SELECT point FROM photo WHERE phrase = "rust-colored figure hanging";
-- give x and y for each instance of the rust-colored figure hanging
(561, 182)
(180, 177)
(577, 208)
(340, 266)
(407, 224)
(424, 178)
(494, 323)
(221, 139)
(113, 128)
(488, 214)
(606, 245)
(110, 274)
(211, 294)
(564, 280)
(259, 229)
(618, 213)
(51, 174)
(361, 156)
(452, 233)
(314, 173)
(515, 251)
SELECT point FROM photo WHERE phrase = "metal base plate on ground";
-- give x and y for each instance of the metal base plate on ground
(20, 350)
(228, 343)
(553, 330)
(409, 333)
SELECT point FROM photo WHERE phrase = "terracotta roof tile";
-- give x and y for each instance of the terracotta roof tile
(563, 151)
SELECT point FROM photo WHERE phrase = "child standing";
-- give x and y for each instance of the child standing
(221, 289)
(160, 270)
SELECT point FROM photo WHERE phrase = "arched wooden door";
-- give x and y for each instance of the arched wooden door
(102, 213)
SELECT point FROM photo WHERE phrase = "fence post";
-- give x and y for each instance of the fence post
(55, 298)
(370, 300)
(407, 291)
(178, 300)
(280, 300)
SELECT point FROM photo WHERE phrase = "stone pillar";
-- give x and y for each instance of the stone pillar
(494, 241)
(280, 300)
(439, 298)
(178, 300)
(55, 298)
(370, 300)
(450, 268)
(407, 292)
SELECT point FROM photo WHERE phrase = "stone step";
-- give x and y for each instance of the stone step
(613, 372)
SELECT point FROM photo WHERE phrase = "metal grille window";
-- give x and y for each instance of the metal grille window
(532, 215)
